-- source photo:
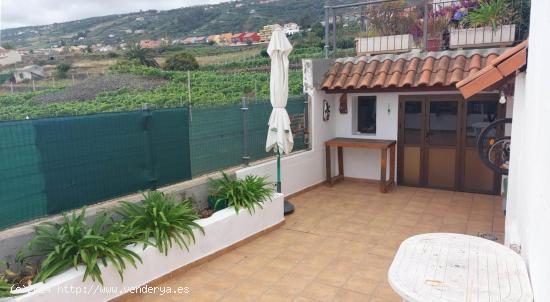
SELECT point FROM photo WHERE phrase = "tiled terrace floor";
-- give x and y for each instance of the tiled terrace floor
(337, 246)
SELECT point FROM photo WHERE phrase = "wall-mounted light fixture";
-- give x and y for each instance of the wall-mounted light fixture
(502, 99)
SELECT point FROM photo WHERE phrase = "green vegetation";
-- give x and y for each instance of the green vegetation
(490, 13)
(8, 46)
(159, 221)
(247, 193)
(13, 278)
(208, 88)
(5, 289)
(141, 56)
(181, 61)
(61, 70)
(72, 242)
(162, 218)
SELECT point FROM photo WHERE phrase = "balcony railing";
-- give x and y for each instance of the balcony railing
(394, 26)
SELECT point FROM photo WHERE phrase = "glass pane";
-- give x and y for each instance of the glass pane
(480, 115)
(413, 122)
(366, 114)
(443, 120)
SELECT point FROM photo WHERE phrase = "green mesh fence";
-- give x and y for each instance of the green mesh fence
(22, 195)
(258, 118)
(57, 164)
(216, 138)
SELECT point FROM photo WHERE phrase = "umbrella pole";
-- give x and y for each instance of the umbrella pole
(289, 207)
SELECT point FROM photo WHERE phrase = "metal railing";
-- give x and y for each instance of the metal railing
(394, 26)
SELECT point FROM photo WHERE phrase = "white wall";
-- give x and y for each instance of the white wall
(528, 215)
(365, 163)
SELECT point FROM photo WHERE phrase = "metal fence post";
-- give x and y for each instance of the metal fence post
(333, 31)
(326, 32)
(306, 121)
(150, 153)
(244, 109)
(425, 27)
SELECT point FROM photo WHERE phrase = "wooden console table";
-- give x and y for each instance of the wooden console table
(382, 145)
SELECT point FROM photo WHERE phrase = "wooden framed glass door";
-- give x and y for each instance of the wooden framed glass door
(437, 142)
(411, 138)
(478, 114)
(441, 145)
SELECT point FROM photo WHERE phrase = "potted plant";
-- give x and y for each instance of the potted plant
(389, 28)
(489, 24)
(248, 193)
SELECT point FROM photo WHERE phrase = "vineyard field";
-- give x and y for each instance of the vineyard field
(208, 88)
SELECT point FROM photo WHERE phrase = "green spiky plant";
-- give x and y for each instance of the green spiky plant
(72, 242)
(15, 278)
(5, 289)
(490, 13)
(162, 218)
(247, 193)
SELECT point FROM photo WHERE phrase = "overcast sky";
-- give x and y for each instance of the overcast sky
(17, 13)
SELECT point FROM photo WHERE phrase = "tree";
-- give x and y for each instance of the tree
(8, 46)
(181, 61)
(61, 70)
(144, 56)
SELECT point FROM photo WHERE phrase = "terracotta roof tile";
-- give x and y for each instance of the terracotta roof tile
(496, 70)
(413, 69)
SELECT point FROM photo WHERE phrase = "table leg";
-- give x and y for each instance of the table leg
(328, 164)
(341, 161)
(392, 163)
(383, 166)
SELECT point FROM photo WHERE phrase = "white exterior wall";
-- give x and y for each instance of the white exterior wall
(528, 215)
(304, 169)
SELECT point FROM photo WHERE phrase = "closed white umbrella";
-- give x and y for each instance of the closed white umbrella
(279, 135)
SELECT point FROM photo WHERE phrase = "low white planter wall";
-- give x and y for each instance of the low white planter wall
(482, 36)
(384, 44)
(223, 229)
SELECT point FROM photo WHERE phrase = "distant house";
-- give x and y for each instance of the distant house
(214, 38)
(201, 39)
(189, 40)
(9, 56)
(238, 38)
(108, 48)
(226, 38)
(149, 43)
(253, 37)
(27, 73)
(266, 31)
(291, 28)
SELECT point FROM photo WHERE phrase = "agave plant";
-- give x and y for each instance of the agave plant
(245, 193)
(490, 13)
(162, 218)
(5, 289)
(72, 242)
(15, 278)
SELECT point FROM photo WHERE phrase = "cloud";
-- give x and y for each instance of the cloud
(17, 13)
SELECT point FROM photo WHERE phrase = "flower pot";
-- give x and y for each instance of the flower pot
(384, 44)
(222, 230)
(503, 35)
(434, 44)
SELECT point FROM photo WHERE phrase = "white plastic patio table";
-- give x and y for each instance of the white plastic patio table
(460, 268)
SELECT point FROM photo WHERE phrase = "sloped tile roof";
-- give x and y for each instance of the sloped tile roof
(408, 70)
(496, 71)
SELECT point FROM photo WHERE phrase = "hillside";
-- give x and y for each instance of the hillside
(236, 16)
